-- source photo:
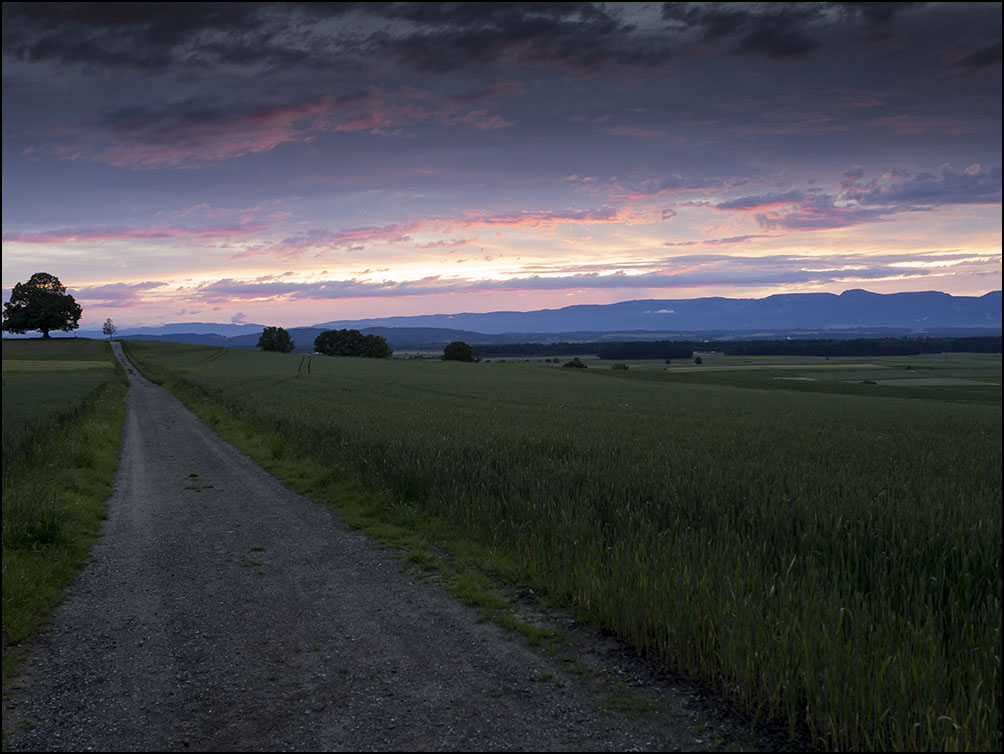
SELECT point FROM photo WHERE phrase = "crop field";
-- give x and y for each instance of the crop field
(45, 383)
(825, 552)
(62, 419)
(972, 378)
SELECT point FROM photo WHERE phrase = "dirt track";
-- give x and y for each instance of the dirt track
(224, 612)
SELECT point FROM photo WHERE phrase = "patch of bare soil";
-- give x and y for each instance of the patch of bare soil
(223, 612)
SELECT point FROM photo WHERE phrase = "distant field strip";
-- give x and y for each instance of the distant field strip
(830, 559)
(25, 365)
(933, 381)
(758, 367)
(46, 383)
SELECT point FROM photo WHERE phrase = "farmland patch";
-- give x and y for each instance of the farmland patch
(52, 365)
(780, 542)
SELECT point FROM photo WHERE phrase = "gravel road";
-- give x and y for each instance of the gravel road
(224, 612)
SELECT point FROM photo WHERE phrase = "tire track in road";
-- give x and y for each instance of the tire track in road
(223, 612)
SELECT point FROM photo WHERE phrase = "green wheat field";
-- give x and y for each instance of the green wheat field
(821, 541)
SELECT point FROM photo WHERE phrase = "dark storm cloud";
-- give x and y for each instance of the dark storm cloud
(782, 30)
(138, 35)
(775, 31)
(459, 36)
(583, 38)
(876, 18)
(431, 37)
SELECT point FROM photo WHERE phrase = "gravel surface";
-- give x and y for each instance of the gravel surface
(224, 612)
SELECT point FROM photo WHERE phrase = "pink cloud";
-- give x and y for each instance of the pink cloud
(116, 295)
(320, 240)
(199, 134)
(450, 243)
(189, 132)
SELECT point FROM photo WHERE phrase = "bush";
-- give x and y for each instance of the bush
(352, 343)
(576, 363)
(458, 351)
(619, 366)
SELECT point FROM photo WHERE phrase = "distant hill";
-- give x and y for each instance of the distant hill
(796, 311)
(852, 314)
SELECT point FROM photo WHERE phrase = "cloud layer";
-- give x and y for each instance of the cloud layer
(225, 158)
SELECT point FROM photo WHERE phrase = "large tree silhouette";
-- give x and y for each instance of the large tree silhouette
(41, 304)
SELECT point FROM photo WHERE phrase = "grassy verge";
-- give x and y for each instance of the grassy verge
(56, 481)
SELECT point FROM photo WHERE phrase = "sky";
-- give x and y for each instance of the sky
(295, 163)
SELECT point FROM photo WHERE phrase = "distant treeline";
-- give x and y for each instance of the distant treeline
(862, 346)
(513, 350)
(661, 349)
(666, 349)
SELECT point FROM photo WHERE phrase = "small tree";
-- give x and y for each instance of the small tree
(109, 328)
(458, 351)
(276, 339)
(698, 360)
(41, 304)
(575, 363)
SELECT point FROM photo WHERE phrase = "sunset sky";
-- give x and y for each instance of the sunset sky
(296, 163)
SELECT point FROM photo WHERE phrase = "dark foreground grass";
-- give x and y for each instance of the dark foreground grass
(826, 559)
(62, 432)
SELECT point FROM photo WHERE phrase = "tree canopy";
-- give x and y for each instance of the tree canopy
(41, 304)
(458, 351)
(352, 343)
(276, 339)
